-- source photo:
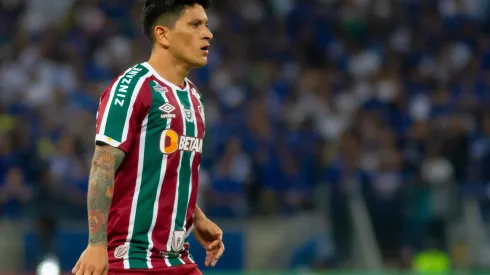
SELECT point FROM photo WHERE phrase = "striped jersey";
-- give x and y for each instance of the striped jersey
(160, 127)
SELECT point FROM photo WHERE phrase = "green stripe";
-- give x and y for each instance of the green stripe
(184, 182)
(174, 261)
(184, 173)
(185, 166)
(121, 101)
(152, 162)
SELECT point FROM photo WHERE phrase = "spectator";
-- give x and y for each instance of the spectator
(14, 193)
(287, 81)
(230, 182)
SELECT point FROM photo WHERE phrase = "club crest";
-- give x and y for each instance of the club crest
(178, 240)
(188, 115)
(159, 88)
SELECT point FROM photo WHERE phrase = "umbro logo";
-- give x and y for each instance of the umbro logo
(167, 108)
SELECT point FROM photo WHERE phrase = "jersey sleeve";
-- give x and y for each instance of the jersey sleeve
(119, 118)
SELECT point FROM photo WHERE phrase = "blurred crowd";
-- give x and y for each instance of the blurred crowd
(387, 96)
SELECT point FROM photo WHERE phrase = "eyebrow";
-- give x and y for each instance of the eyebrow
(205, 21)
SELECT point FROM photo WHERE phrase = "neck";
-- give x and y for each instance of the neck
(169, 67)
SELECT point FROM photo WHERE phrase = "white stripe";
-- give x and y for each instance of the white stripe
(167, 262)
(135, 94)
(107, 140)
(162, 79)
(196, 133)
(136, 189)
(163, 171)
(202, 115)
(109, 102)
(155, 209)
(189, 231)
(176, 199)
(189, 256)
(174, 212)
(193, 154)
(192, 160)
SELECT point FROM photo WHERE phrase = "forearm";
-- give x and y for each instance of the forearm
(199, 214)
(105, 162)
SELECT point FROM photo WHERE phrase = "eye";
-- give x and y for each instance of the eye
(196, 24)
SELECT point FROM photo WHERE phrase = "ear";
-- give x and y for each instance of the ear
(162, 34)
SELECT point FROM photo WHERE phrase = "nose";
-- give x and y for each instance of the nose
(208, 35)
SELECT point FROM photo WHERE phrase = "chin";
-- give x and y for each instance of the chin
(195, 61)
(199, 63)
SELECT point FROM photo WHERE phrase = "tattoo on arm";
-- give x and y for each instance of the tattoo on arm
(105, 162)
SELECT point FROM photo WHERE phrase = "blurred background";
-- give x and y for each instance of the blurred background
(343, 135)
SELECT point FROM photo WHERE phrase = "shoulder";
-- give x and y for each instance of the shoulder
(130, 80)
(128, 87)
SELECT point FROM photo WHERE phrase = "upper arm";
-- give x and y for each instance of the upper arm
(107, 157)
(121, 111)
(117, 124)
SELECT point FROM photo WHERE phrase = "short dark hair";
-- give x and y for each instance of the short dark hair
(165, 12)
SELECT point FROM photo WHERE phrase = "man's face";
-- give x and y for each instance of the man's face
(189, 39)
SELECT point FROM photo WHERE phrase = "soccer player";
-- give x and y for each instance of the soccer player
(149, 138)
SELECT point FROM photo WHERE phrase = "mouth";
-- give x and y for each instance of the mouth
(205, 49)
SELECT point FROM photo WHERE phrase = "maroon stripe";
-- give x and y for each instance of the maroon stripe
(102, 106)
(104, 99)
(196, 103)
(195, 162)
(162, 230)
(199, 119)
(124, 186)
(185, 255)
(193, 197)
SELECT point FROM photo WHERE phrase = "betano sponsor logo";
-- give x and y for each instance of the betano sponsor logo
(170, 142)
